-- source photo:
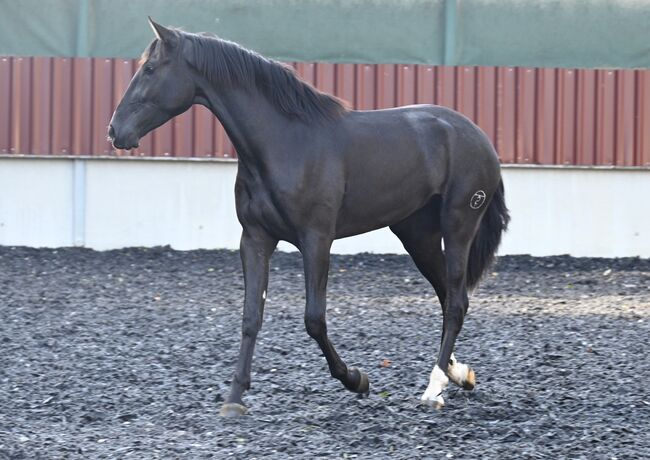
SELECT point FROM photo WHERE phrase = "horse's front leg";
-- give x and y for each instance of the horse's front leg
(316, 258)
(256, 248)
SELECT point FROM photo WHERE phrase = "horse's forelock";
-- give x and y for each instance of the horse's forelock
(147, 52)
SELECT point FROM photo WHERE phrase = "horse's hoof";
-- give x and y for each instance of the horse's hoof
(364, 384)
(432, 396)
(462, 375)
(436, 402)
(470, 380)
(232, 410)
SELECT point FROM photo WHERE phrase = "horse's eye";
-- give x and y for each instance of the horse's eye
(148, 69)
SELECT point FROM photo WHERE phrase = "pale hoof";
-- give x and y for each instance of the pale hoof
(432, 396)
(437, 402)
(470, 381)
(232, 410)
(461, 374)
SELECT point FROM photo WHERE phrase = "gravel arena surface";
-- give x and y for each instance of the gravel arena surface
(128, 354)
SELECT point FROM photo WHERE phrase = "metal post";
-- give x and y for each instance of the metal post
(79, 166)
(82, 28)
(451, 8)
(79, 203)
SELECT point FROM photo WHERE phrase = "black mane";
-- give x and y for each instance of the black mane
(227, 63)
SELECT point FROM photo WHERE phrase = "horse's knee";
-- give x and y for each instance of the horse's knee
(315, 325)
(250, 327)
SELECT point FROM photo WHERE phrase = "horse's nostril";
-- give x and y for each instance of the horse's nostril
(111, 132)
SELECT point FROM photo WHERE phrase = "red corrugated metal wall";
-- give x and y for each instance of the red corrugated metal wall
(59, 106)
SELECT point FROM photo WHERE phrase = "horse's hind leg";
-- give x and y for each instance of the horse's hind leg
(459, 226)
(421, 236)
(316, 257)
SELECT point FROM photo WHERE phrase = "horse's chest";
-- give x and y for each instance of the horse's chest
(259, 206)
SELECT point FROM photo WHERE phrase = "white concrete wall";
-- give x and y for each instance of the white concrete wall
(106, 204)
(582, 212)
(187, 205)
(36, 203)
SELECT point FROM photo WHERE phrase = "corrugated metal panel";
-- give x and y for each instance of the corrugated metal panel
(506, 108)
(643, 119)
(586, 123)
(546, 104)
(41, 133)
(21, 105)
(82, 104)
(385, 86)
(486, 96)
(426, 84)
(102, 104)
(533, 116)
(6, 113)
(62, 97)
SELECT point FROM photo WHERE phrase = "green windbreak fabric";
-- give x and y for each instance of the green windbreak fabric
(554, 33)
(551, 33)
(314, 30)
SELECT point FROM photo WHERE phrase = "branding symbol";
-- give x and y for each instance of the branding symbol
(477, 200)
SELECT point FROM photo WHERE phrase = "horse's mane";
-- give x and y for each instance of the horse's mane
(227, 63)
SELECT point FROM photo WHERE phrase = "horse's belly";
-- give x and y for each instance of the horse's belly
(372, 208)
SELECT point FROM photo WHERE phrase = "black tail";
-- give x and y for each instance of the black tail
(487, 239)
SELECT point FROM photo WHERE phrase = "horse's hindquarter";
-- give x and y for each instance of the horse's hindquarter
(394, 162)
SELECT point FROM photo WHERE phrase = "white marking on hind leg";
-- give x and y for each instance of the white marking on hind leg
(437, 383)
(461, 374)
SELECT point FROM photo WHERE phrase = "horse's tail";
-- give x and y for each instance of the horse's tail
(487, 239)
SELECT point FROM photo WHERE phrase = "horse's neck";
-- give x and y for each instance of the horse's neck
(250, 120)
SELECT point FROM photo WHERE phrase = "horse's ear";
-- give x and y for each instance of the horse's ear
(163, 34)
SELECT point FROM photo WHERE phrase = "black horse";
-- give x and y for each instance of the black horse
(311, 171)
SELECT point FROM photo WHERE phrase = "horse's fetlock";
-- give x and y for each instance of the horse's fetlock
(339, 372)
(243, 381)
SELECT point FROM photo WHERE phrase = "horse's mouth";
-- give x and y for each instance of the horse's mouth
(124, 145)
(122, 142)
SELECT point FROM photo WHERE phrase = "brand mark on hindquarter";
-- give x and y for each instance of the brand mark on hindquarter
(477, 200)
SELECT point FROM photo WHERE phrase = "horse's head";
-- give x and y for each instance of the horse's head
(161, 89)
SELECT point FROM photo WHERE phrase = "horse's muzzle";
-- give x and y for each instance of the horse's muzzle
(121, 142)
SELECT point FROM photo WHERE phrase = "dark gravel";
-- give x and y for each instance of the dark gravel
(128, 354)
